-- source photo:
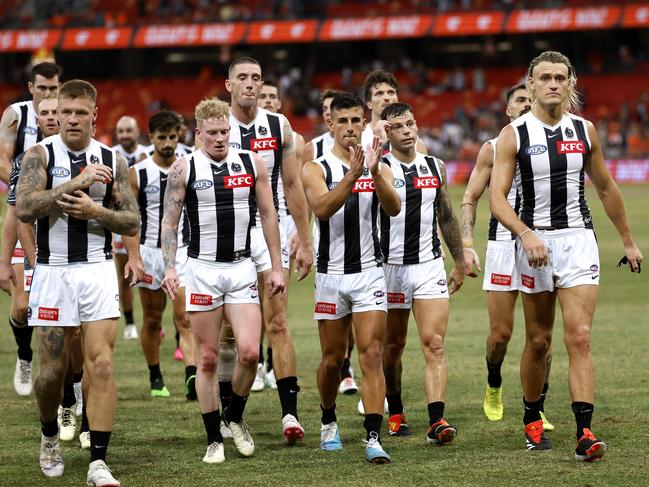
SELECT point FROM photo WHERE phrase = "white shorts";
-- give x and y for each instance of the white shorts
(417, 281)
(287, 228)
(209, 285)
(259, 250)
(154, 267)
(68, 295)
(573, 260)
(337, 295)
(118, 244)
(500, 266)
(18, 255)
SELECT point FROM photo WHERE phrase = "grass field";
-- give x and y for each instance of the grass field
(161, 441)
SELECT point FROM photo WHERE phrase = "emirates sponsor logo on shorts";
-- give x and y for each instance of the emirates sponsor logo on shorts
(502, 279)
(241, 181)
(397, 298)
(527, 281)
(571, 147)
(325, 308)
(364, 186)
(28, 281)
(147, 279)
(48, 314)
(200, 299)
(19, 253)
(269, 143)
(426, 182)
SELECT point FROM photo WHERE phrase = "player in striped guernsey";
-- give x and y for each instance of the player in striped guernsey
(557, 255)
(148, 182)
(414, 270)
(500, 279)
(182, 149)
(127, 132)
(221, 189)
(345, 188)
(19, 131)
(270, 135)
(77, 191)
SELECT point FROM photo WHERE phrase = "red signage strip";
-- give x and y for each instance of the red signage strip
(282, 31)
(29, 40)
(189, 35)
(477, 23)
(560, 19)
(376, 27)
(96, 38)
(636, 16)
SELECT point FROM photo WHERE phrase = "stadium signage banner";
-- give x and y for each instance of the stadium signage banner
(96, 38)
(376, 27)
(29, 40)
(282, 31)
(189, 35)
(542, 20)
(469, 24)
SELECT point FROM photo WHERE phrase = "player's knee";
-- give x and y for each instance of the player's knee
(434, 345)
(578, 340)
(19, 314)
(208, 358)
(393, 349)
(277, 325)
(539, 343)
(371, 357)
(102, 367)
(248, 356)
(181, 321)
(332, 362)
(501, 335)
(153, 320)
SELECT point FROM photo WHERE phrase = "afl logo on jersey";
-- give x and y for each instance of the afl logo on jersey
(59, 172)
(235, 145)
(150, 189)
(398, 183)
(535, 150)
(202, 184)
(30, 130)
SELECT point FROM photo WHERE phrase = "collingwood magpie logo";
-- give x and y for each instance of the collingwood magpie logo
(94, 159)
(263, 130)
(236, 167)
(569, 132)
(423, 169)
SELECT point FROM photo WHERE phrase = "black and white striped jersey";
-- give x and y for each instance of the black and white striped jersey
(265, 136)
(27, 131)
(551, 161)
(62, 239)
(349, 240)
(321, 144)
(16, 164)
(152, 183)
(411, 236)
(497, 231)
(131, 158)
(221, 205)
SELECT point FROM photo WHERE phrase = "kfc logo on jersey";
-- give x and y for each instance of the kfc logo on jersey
(527, 281)
(501, 279)
(243, 181)
(364, 186)
(269, 143)
(200, 299)
(396, 298)
(325, 308)
(48, 314)
(426, 182)
(571, 147)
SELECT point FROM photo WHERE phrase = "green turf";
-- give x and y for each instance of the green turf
(160, 442)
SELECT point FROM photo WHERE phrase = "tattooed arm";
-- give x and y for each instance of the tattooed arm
(33, 201)
(173, 205)
(8, 128)
(450, 228)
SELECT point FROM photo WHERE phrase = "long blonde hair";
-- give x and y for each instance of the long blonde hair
(572, 101)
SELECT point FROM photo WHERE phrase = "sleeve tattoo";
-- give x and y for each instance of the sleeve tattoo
(124, 218)
(173, 204)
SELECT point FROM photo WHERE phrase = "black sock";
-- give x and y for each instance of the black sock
(50, 429)
(225, 393)
(99, 445)
(328, 415)
(84, 418)
(395, 406)
(69, 399)
(23, 336)
(212, 422)
(344, 370)
(543, 393)
(287, 389)
(435, 412)
(189, 371)
(583, 415)
(372, 424)
(269, 361)
(532, 411)
(77, 377)
(154, 372)
(236, 407)
(261, 354)
(128, 317)
(494, 379)
(177, 339)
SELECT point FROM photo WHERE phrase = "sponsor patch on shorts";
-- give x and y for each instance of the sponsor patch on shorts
(48, 314)
(396, 298)
(147, 279)
(200, 299)
(18, 253)
(527, 281)
(325, 308)
(502, 279)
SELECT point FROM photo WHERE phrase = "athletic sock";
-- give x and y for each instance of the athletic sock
(260, 360)
(435, 412)
(154, 372)
(189, 371)
(532, 411)
(328, 415)
(225, 393)
(344, 370)
(583, 416)
(50, 429)
(372, 424)
(287, 389)
(494, 378)
(84, 418)
(69, 399)
(543, 393)
(99, 445)
(269, 359)
(128, 317)
(177, 339)
(236, 407)
(23, 336)
(212, 422)
(76, 378)
(395, 406)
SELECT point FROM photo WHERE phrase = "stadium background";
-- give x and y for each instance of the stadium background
(454, 60)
